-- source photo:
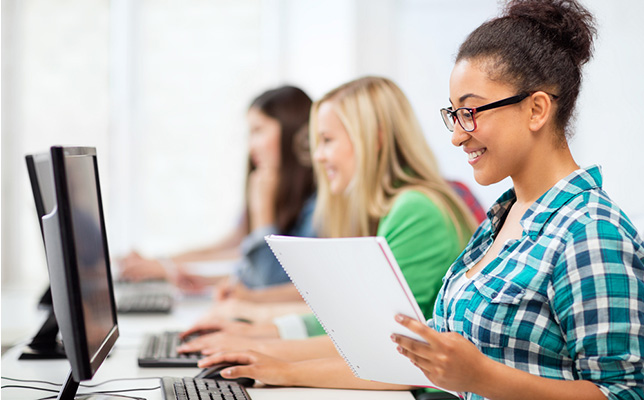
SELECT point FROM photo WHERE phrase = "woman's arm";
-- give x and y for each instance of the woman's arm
(288, 350)
(255, 312)
(285, 292)
(227, 248)
(135, 267)
(454, 363)
(330, 372)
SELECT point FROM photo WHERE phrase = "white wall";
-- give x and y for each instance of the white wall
(609, 131)
(54, 91)
(161, 89)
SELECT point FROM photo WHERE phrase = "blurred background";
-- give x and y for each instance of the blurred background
(161, 89)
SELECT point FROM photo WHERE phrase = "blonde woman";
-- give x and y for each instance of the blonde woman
(376, 176)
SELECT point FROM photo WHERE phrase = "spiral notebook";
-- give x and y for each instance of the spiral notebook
(355, 288)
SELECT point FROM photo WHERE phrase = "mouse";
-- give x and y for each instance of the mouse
(213, 372)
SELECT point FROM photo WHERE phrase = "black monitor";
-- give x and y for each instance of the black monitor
(41, 178)
(79, 265)
(45, 344)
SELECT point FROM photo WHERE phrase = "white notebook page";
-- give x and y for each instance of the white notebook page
(355, 288)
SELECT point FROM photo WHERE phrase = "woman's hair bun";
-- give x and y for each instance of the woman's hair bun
(566, 22)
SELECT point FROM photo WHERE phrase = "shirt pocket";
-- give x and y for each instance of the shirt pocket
(494, 315)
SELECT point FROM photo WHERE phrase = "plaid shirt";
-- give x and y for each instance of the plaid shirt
(566, 301)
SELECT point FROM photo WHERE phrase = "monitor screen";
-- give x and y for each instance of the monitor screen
(79, 265)
(88, 241)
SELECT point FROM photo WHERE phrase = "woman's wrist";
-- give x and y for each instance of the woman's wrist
(298, 374)
(262, 218)
(268, 330)
(491, 379)
(169, 267)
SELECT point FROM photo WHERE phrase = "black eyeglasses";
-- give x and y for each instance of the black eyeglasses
(465, 115)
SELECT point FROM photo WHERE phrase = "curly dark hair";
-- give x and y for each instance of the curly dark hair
(537, 45)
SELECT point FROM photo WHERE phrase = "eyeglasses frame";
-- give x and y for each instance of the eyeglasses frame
(473, 110)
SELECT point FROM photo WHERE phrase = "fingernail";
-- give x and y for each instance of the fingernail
(399, 318)
(226, 372)
(400, 350)
(393, 337)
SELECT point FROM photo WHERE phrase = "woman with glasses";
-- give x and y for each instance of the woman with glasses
(547, 300)
(376, 176)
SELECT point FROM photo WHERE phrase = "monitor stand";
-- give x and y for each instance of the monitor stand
(45, 345)
(69, 388)
(45, 300)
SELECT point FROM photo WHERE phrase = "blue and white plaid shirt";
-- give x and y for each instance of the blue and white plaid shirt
(566, 301)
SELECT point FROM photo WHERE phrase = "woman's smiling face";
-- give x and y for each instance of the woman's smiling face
(334, 150)
(500, 144)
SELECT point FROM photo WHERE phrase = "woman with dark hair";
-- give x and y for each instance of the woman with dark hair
(279, 199)
(547, 299)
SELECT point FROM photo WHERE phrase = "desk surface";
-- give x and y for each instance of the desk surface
(122, 364)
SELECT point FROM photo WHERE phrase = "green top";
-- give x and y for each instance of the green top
(424, 242)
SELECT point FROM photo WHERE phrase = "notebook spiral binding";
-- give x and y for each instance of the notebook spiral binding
(306, 300)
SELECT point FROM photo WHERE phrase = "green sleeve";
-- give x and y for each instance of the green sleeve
(313, 327)
(424, 242)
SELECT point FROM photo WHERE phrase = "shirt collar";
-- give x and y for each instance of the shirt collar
(539, 213)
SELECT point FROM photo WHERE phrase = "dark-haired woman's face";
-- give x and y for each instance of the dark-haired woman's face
(501, 144)
(264, 139)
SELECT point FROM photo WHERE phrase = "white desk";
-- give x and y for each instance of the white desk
(122, 364)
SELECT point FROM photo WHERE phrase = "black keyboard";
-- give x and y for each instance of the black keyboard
(201, 389)
(144, 297)
(160, 350)
(145, 303)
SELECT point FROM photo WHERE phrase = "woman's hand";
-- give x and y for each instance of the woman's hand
(263, 368)
(135, 268)
(330, 372)
(454, 363)
(216, 342)
(447, 359)
(232, 289)
(262, 191)
(238, 328)
(188, 282)
(233, 309)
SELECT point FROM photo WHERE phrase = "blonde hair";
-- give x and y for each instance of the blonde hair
(391, 155)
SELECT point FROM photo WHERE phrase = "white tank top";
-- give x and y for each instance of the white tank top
(455, 285)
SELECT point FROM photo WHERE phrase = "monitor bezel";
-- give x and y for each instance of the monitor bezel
(35, 179)
(31, 160)
(65, 280)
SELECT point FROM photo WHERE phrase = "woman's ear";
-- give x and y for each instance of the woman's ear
(540, 111)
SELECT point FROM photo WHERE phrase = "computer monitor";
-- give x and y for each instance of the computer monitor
(45, 343)
(41, 178)
(79, 265)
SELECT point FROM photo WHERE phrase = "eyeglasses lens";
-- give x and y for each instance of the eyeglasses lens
(448, 119)
(466, 118)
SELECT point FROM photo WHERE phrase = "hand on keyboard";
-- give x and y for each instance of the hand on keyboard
(253, 364)
(236, 327)
(219, 341)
